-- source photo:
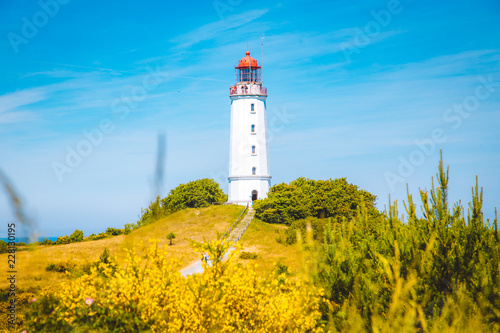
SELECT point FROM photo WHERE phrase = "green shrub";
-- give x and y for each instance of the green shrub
(300, 226)
(101, 235)
(114, 231)
(4, 247)
(153, 213)
(304, 198)
(440, 269)
(170, 237)
(128, 228)
(86, 268)
(195, 194)
(76, 236)
(105, 259)
(61, 267)
(248, 255)
(63, 240)
(282, 269)
(46, 241)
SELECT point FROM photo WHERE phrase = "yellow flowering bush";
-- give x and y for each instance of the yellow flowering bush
(150, 294)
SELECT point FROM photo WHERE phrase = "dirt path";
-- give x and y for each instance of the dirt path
(234, 236)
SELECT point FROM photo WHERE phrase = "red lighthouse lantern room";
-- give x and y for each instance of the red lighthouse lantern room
(248, 71)
(248, 78)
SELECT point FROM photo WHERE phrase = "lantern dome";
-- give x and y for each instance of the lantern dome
(248, 61)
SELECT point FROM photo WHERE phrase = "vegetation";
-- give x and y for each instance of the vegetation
(151, 294)
(61, 267)
(4, 246)
(153, 213)
(261, 239)
(248, 255)
(303, 198)
(189, 224)
(298, 230)
(339, 270)
(114, 231)
(196, 194)
(76, 236)
(46, 241)
(429, 273)
(170, 237)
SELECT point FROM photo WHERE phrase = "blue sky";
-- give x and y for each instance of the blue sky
(368, 90)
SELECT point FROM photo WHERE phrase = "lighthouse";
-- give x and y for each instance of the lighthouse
(249, 176)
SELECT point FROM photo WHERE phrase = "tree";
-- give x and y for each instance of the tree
(304, 198)
(76, 236)
(114, 231)
(170, 236)
(4, 247)
(283, 205)
(195, 194)
(153, 213)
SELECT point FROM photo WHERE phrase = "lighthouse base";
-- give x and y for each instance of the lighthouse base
(244, 190)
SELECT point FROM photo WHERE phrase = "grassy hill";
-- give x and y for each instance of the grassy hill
(260, 238)
(189, 224)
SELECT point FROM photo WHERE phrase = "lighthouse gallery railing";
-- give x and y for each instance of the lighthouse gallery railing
(247, 89)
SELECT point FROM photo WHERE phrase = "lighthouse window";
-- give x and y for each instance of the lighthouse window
(253, 149)
(254, 169)
(252, 107)
(253, 128)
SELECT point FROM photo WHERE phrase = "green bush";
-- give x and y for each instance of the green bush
(195, 194)
(281, 269)
(76, 236)
(300, 226)
(128, 228)
(101, 235)
(170, 237)
(441, 265)
(105, 259)
(86, 268)
(63, 240)
(153, 213)
(46, 241)
(4, 247)
(248, 255)
(61, 267)
(304, 198)
(114, 231)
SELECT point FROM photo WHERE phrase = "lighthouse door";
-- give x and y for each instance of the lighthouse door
(254, 195)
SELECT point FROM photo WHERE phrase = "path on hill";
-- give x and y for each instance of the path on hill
(234, 236)
(240, 229)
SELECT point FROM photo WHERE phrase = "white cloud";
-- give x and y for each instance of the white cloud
(10, 102)
(211, 30)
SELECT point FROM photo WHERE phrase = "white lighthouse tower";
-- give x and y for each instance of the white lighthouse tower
(249, 176)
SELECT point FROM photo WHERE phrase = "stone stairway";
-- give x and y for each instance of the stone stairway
(240, 229)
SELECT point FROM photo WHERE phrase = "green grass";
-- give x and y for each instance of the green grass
(260, 238)
(196, 224)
